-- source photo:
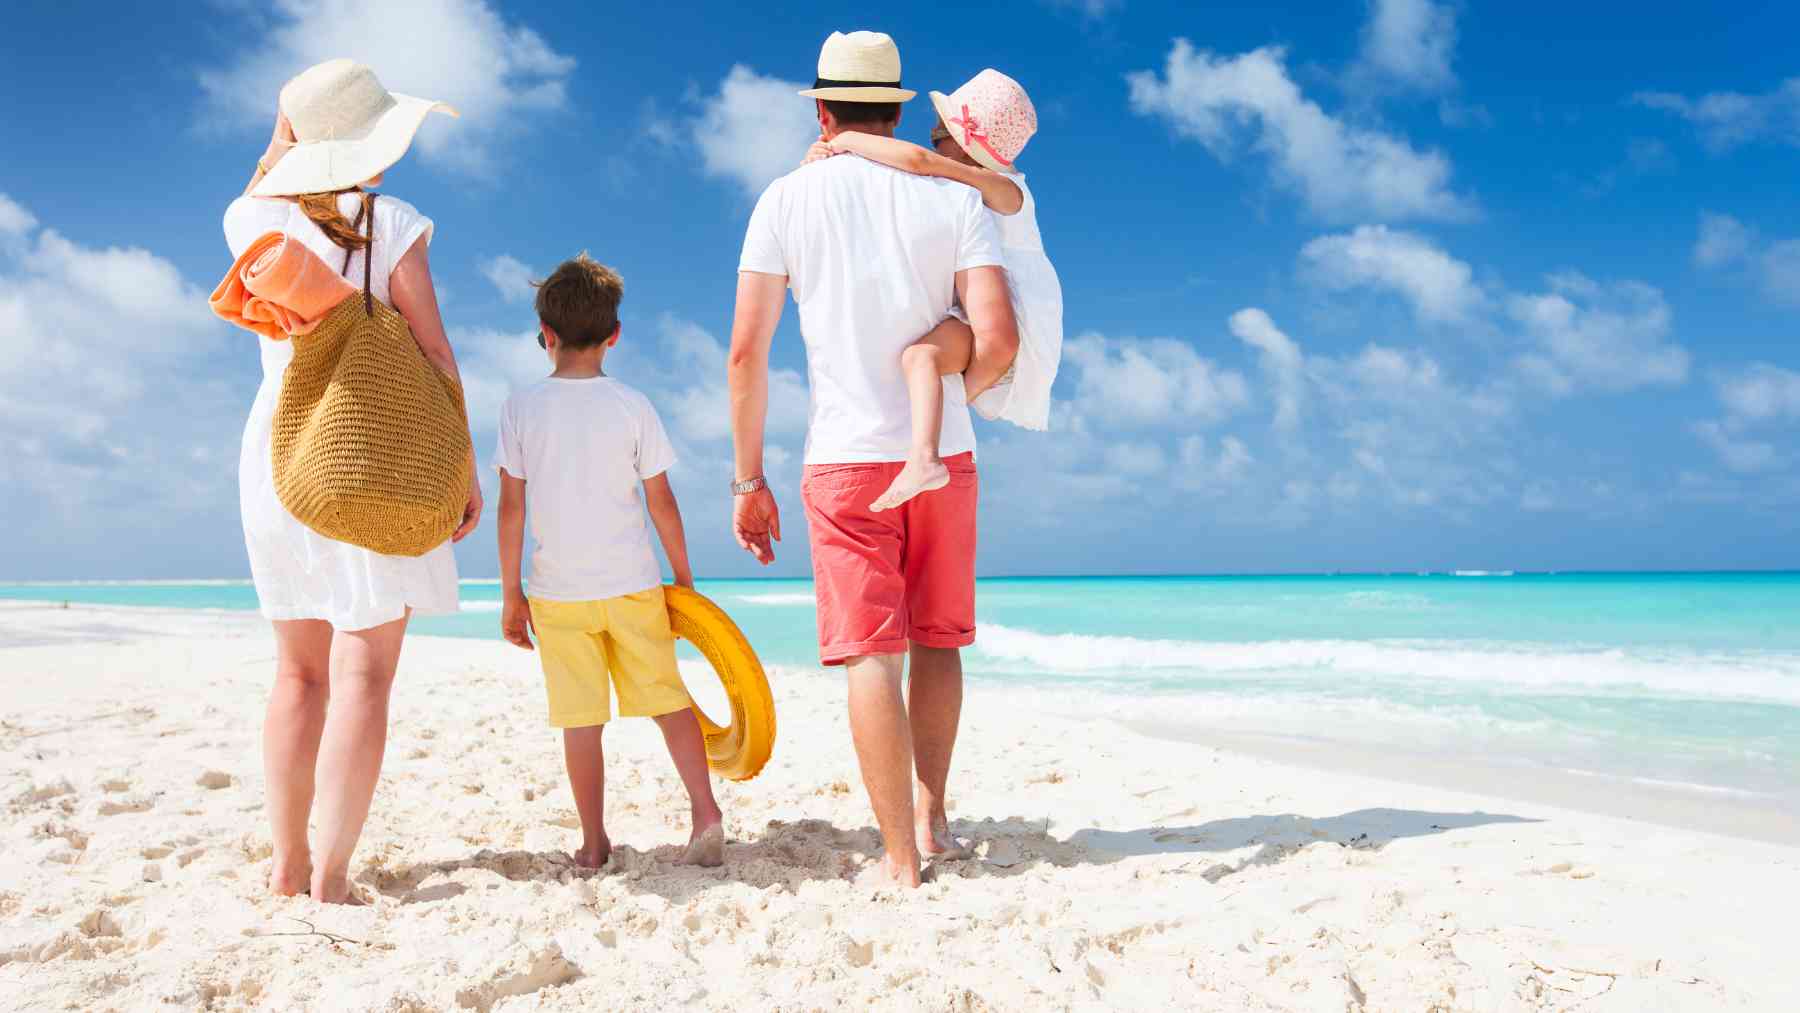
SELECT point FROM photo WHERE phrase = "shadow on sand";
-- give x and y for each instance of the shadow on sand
(791, 854)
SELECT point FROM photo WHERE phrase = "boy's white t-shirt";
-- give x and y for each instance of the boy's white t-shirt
(871, 254)
(584, 447)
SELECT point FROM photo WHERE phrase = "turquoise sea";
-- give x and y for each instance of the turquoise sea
(1688, 681)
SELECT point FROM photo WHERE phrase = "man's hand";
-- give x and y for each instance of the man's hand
(755, 520)
(515, 621)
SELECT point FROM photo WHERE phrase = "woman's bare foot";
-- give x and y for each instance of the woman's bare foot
(291, 877)
(903, 872)
(706, 847)
(918, 476)
(336, 890)
(594, 855)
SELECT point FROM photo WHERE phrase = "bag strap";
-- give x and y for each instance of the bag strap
(365, 220)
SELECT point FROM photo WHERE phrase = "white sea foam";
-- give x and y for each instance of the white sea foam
(1482, 573)
(1765, 676)
(481, 606)
(788, 598)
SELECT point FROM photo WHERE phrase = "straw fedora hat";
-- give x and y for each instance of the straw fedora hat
(348, 127)
(990, 117)
(859, 67)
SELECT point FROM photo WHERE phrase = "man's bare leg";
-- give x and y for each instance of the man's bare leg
(943, 352)
(934, 708)
(883, 738)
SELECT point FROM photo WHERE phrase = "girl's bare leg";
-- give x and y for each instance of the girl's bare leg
(687, 747)
(585, 754)
(291, 729)
(362, 677)
(943, 352)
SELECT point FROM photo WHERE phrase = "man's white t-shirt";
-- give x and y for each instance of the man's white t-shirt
(871, 254)
(584, 448)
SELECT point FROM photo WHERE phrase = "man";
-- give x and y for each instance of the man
(875, 258)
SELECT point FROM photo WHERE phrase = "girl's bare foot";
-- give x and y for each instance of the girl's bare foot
(918, 476)
(290, 878)
(593, 856)
(706, 847)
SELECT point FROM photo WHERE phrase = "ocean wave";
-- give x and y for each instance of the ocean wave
(481, 606)
(1761, 677)
(788, 598)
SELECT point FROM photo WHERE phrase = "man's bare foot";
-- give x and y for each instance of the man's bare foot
(936, 843)
(706, 848)
(593, 856)
(336, 890)
(901, 872)
(290, 878)
(915, 478)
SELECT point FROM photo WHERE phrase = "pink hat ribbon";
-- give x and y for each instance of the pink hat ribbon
(973, 134)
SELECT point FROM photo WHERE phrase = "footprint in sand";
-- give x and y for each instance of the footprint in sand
(129, 804)
(213, 780)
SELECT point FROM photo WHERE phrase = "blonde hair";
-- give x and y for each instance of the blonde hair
(580, 301)
(322, 210)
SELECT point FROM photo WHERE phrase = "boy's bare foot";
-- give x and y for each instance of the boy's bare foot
(915, 478)
(289, 878)
(706, 848)
(593, 856)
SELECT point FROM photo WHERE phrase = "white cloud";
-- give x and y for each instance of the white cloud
(1611, 338)
(1728, 119)
(1152, 382)
(1281, 360)
(697, 398)
(96, 344)
(1439, 287)
(1093, 10)
(754, 130)
(14, 220)
(1723, 240)
(497, 73)
(511, 277)
(1736, 452)
(1409, 44)
(1342, 172)
(1756, 398)
(1203, 471)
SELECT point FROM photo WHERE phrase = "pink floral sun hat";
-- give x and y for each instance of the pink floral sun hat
(991, 117)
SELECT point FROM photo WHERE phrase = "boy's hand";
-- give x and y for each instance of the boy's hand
(685, 580)
(515, 621)
(755, 520)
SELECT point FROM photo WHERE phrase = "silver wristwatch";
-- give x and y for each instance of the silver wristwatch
(748, 485)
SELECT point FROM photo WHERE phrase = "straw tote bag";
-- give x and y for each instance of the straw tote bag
(371, 441)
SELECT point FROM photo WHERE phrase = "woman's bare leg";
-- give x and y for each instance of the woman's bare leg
(291, 728)
(943, 352)
(362, 677)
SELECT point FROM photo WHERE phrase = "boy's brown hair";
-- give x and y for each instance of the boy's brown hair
(580, 301)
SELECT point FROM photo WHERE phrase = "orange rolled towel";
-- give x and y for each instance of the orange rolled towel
(279, 288)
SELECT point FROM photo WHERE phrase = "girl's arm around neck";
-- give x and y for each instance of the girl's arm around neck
(1001, 195)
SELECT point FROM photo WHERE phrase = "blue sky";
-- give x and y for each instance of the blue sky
(1404, 285)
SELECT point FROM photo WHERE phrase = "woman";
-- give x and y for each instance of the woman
(339, 611)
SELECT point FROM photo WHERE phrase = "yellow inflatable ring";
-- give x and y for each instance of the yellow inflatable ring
(739, 750)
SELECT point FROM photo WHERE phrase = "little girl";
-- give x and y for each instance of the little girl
(981, 129)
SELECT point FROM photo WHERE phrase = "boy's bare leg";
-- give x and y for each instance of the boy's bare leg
(943, 352)
(295, 719)
(586, 759)
(687, 747)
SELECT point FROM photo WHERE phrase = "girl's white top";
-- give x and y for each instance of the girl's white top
(299, 573)
(1023, 398)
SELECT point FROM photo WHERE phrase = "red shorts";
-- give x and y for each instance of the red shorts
(901, 576)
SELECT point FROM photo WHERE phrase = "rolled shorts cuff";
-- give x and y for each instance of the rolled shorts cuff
(586, 719)
(837, 654)
(942, 640)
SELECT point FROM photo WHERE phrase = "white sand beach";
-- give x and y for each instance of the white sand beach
(1113, 870)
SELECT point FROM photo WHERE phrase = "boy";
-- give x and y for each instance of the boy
(577, 446)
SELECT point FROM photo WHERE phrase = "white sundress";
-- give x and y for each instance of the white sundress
(299, 573)
(1023, 398)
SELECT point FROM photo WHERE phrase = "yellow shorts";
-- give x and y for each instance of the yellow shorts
(628, 636)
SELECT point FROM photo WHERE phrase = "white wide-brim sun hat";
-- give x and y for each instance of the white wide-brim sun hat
(859, 67)
(349, 129)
